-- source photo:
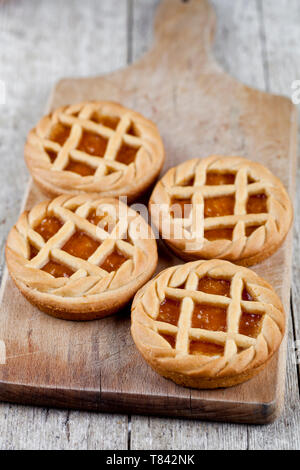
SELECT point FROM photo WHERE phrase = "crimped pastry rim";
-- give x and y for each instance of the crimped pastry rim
(190, 370)
(111, 296)
(244, 250)
(132, 182)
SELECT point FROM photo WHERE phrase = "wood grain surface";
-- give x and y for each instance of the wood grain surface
(243, 23)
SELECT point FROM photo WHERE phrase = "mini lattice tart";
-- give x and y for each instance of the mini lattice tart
(94, 147)
(80, 258)
(221, 207)
(207, 324)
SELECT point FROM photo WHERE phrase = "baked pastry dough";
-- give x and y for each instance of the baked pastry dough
(207, 324)
(80, 258)
(94, 147)
(221, 207)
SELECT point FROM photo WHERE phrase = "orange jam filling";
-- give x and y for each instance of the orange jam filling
(214, 178)
(94, 218)
(57, 269)
(209, 317)
(246, 295)
(107, 121)
(171, 339)
(113, 261)
(181, 286)
(52, 155)
(189, 182)
(80, 168)
(126, 154)
(180, 208)
(81, 245)
(250, 324)
(214, 286)
(93, 144)
(48, 227)
(218, 234)
(33, 251)
(249, 230)
(206, 348)
(133, 131)
(59, 133)
(257, 204)
(219, 206)
(169, 311)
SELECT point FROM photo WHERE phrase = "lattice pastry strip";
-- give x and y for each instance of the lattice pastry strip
(97, 147)
(207, 323)
(221, 207)
(80, 257)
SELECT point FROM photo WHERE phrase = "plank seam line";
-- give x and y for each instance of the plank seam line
(129, 31)
(263, 39)
(294, 337)
(129, 433)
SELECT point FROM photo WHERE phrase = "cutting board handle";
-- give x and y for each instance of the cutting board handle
(179, 26)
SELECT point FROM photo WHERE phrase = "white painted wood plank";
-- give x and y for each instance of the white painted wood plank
(281, 38)
(41, 42)
(39, 429)
(143, 13)
(173, 434)
(238, 45)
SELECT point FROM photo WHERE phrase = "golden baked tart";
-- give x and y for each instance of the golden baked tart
(207, 324)
(80, 258)
(94, 147)
(221, 207)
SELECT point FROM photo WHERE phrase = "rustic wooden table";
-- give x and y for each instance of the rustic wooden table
(257, 41)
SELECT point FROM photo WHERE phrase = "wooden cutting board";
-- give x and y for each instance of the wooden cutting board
(199, 110)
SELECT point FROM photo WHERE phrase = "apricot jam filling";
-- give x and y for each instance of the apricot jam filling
(209, 317)
(171, 339)
(113, 261)
(257, 204)
(250, 324)
(219, 206)
(181, 208)
(214, 178)
(218, 234)
(246, 295)
(52, 155)
(80, 168)
(206, 348)
(93, 218)
(133, 131)
(126, 154)
(32, 251)
(189, 182)
(93, 144)
(107, 121)
(59, 133)
(214, 286)
(249, 230)
(57, 269)
(48, 227)
(81, 245)
(182, 286)
(169, 311)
